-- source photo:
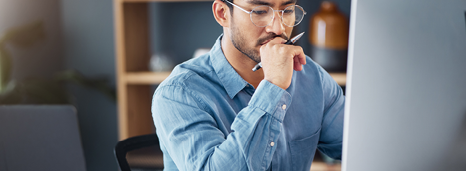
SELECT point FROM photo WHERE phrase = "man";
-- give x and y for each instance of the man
(214, 113)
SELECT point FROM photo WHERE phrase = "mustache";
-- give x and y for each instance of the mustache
(270, 37)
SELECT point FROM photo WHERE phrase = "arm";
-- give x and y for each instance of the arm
(193, 140)
(331, 137)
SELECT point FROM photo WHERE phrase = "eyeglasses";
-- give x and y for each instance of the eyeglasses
(263, 15)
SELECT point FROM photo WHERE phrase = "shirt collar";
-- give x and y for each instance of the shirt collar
(229, 78)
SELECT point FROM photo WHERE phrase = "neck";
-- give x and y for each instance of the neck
(241, 63)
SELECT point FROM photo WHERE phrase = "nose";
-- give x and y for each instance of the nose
(277, 25)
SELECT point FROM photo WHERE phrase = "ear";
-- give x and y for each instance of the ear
(221, 13)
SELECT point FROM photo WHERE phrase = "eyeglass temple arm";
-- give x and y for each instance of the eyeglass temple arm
(249, 12)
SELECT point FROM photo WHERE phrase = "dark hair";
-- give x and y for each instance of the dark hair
(229, 5)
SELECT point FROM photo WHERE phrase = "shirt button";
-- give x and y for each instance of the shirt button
(272, 143)
(284, 107)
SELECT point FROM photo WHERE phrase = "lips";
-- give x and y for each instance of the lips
(267, 41)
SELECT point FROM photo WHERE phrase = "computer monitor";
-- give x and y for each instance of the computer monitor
(406, 87)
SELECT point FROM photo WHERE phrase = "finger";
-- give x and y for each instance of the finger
(301, 56)
(297, 65)
(302, 60)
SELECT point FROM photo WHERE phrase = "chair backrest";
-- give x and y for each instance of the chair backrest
(139, 152)
(40, 137)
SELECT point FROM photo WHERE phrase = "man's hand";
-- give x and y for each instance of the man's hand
(279, 60)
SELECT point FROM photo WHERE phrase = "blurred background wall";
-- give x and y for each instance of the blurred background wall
(88, 36)
(43, 58)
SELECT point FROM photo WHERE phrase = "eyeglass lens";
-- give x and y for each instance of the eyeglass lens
(291, 16)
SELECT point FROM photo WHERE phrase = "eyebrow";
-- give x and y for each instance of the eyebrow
(259, 2)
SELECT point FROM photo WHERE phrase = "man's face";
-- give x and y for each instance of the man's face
(248, 38)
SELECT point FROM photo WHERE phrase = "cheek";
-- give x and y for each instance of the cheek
(288, 31)
(252, 35)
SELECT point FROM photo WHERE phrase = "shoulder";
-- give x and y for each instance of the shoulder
(331, 91)
(190, 79)
(190, 73)
(192, 85)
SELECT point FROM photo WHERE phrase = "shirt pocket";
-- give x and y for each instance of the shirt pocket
(303, 151)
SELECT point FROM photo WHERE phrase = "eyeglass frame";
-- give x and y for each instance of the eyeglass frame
(282, 11)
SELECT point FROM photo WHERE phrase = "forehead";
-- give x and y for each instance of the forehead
(270, 2)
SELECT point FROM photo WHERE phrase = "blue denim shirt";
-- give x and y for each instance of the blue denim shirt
(208, 117)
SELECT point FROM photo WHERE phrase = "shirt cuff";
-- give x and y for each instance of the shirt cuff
(271, 99)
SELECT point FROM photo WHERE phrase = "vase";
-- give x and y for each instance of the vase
(328, 36)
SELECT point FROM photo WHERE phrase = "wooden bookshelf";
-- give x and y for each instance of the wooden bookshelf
(134, 80)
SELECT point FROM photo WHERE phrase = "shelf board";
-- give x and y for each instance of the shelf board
(147, 78)
(340, 78)
(163, 0)
(322, 166)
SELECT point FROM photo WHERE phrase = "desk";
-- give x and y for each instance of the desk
(322, 166)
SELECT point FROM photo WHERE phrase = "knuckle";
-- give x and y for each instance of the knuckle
(300, 48)
(282, 49)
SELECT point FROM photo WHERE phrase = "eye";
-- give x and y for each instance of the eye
(288, 11)
(260, 12)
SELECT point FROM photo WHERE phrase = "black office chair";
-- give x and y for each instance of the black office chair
(140, 152)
